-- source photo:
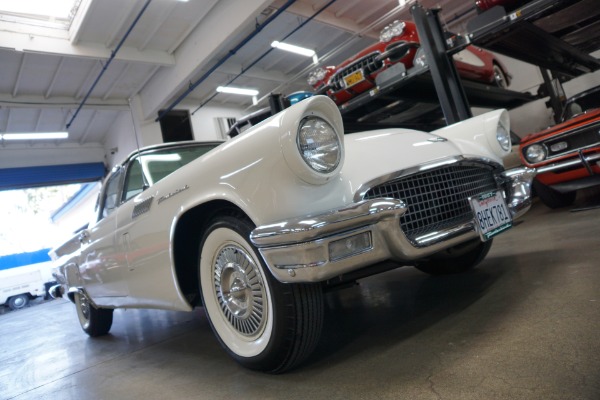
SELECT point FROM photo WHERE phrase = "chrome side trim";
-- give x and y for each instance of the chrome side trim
(142, 207)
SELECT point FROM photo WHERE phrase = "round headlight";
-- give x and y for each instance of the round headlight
(420, 58)
(503, 138)
(319, 145)
(394, 29)
(535, 153)
(315, 76)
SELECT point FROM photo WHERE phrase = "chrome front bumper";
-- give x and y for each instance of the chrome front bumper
(319, 247)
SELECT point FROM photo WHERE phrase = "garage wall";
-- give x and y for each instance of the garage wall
(204, 123)
(121, 141)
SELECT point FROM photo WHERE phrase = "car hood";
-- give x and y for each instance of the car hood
(586, 118)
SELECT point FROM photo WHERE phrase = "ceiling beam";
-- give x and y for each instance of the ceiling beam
(63, 47)
(39, 101)
(19, 75)
(197, 50)
(54, 77)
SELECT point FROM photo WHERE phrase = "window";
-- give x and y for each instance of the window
(135, 182)
(176, 127)
(56, 14)
(110, 195)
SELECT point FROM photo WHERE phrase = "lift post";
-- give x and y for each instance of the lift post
(446, 80)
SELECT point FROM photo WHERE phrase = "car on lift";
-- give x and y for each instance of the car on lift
(483, 5)
(567, 155)
(254, 229)
(399, 46)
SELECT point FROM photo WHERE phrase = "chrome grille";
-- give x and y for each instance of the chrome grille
(437, 198)
(368, 64)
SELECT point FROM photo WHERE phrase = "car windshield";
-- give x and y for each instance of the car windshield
(582, 103)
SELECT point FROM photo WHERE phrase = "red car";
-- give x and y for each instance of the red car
(508, 4)
(399, 43)
(567, 155)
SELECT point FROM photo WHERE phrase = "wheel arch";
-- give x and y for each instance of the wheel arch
(188, 232)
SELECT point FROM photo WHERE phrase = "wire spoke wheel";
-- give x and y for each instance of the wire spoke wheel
(240, 291)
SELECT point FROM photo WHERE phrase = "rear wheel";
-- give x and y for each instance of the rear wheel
(94, 321)
(262, 323)
(551, 197)
(457, 259)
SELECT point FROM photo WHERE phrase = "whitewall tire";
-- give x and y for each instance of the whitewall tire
(262, 323)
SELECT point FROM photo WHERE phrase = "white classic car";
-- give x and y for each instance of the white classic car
(253, 229)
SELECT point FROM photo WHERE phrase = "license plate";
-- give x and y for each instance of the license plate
(491, 214)
(354, 78)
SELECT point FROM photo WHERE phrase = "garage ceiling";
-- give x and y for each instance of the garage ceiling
(47, 72)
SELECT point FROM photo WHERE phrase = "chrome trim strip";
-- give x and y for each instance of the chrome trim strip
(567, 164)
(142, 207)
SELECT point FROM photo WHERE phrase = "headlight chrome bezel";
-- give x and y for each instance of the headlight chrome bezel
(503, 138)
(315, 76)
(535, 153)
(317, 155)
(391, 31)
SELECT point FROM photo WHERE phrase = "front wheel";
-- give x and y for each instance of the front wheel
(500, 78)
(94, 321)
(457, 259)
(17, 302)
(262, 323)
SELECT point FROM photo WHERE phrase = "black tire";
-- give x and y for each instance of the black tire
(457, 259)
(17, 302)
(551, 197)
(262, 323)
(500, 78)
(94, 321)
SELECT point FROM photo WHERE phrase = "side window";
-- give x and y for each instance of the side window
(110, 196)
(135, 182)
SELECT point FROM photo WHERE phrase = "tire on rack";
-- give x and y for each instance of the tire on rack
(262, 323)
(19, 301)
(551, 197)
(455, 260)
(500, 78)
(94, 321)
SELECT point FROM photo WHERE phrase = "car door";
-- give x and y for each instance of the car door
(143, 236)
(102, 262)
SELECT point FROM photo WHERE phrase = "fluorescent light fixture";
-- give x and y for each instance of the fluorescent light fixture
(293, 49)
(234, 90)
(35, 136)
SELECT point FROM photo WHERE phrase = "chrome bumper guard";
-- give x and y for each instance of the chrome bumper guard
(583, 160)
(319, 247)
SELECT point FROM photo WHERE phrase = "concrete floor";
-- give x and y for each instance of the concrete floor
(524, 325)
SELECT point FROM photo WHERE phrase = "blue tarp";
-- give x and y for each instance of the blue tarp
(21, 259)
(26, 177)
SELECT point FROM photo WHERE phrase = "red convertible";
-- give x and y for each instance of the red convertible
(399, 43)
(567, 155)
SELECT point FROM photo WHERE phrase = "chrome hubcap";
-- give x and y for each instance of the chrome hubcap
(240, 291)
(84, 306)
(19, 302)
